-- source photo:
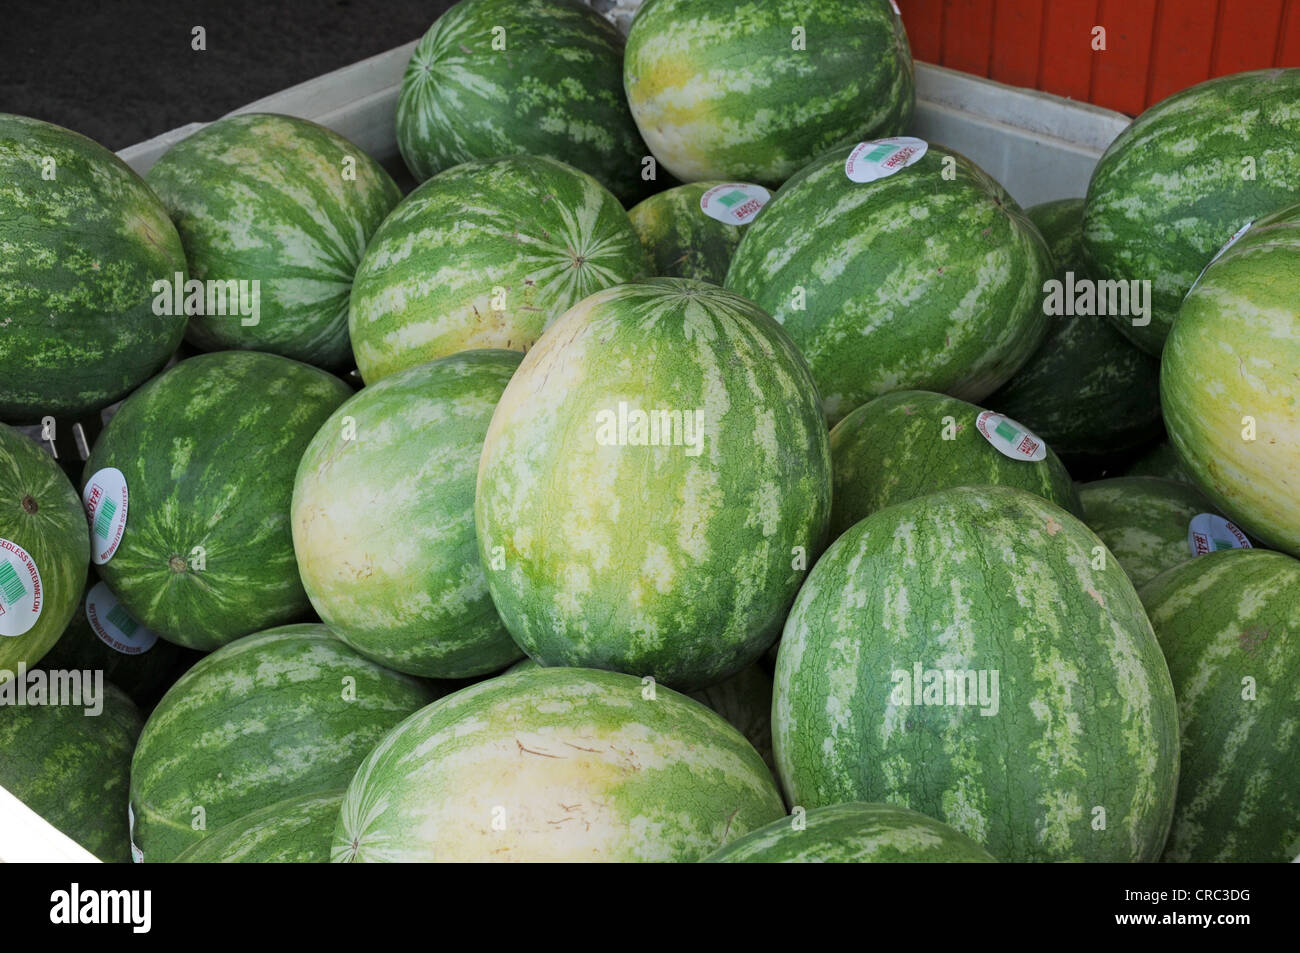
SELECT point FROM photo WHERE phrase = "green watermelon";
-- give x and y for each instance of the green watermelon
(84, 240)
(1160, 461)
(44, 551)
(744, 699)
(129, 654)
(925, 279)
(757, 89)
(912, 442)
(1087, 390)
(520, 77)
(298, 830)
(1230, 381)
(209, 450)
(485, 256)
(73, 768)
(383, 519)
(282, 202)
(654, 485)
(1143, 521)
(556, 764)
(959, 654)
(681, 239)
(1228, 624)
(1187, 174)
(278, 714)
(854, 833)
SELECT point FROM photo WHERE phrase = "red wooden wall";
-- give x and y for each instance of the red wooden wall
(1153, 47)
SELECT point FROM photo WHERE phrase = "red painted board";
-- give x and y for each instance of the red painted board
(1184, 43)
(1066, 59)
(1119, 76)
(1017, 38)
(924, 22)
(1246, 35)
(967, 35)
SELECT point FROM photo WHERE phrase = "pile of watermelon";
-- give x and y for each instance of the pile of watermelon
(693, 465)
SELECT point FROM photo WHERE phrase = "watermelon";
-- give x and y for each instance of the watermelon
(284, 203)
(910, 443)
(297, 830)
(1143, 521)
(556, 764)
(756, 90)
(1228, 624)
(1160, 461)
(1087, 390)
(923, 279)
(654, 484)
(854, 833)
(278, 714)
(208, 451)
(44, 551)
(130, 655)
(1187, 174)
(485, 256)
(1230, 381)
(83, 241)
(520, 77)
(683, 241)
(73, 768)
(959, 655)
(744, 699)
(383, 519)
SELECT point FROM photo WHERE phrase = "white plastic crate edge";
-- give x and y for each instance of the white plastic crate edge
(1039, 146)
(30, 839)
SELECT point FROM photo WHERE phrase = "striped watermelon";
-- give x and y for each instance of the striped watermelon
(209, 450)
(1160, 461)
(1230, 380)
(44, 551)
(1087, 390)
(681, 240)
(854, 833)
(556, 764)
(657, 545)
(278, 714)
(485, 256)
(920, 279)
(1143, 521)
(73, 768)
(757, 89)
(912, 442)
(383, 519)
(1186, 175)
(744, 699)
(885, 684)
(143, 668)
(283, 202)
(82, 239)
(1228, 624)
(297, 830)
(520, 77)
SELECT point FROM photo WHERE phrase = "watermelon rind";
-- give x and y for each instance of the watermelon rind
(680, 239)
(854, 833)
(278, 714)
(383, 519)
(1227, 622)
(73, 767)
(1071, 755)
(209, 450)
(1160, 461)
(674, 555)
(486, 255)
(297, 830)
(556, 764)
(84, 239)
(283, 202)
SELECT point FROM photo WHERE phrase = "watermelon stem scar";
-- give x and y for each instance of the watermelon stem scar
(177, 563)
(30, 505)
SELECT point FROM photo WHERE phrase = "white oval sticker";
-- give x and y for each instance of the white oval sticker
(105, 498)
(1010, 438)
(881, 157)
(116, 627)
(21, 596)
(735, 203)
(1210, 533)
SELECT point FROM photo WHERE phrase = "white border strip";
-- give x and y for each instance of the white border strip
(30, 839)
